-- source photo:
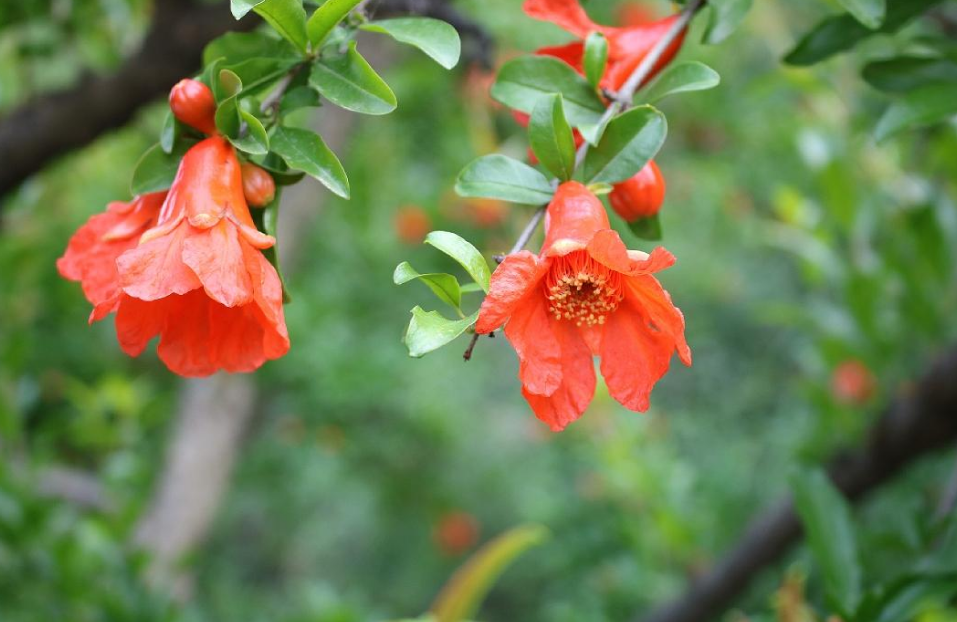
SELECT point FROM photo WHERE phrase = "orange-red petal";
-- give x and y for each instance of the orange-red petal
(155, 268)
(566, 14)
(644, 292)
(216, 258)
(531, 331)
(577, 387)
(511, 282)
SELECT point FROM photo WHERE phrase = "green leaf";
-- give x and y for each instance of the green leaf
(227, 85)
(826, 517)
(463, 252)
(168, 134)
(440, 41)
(243, 129)
(726, 16)
(445, 286)
(236, 47)
(523, 81)
(349, 82)
(156, 169)
(906, 73)
(464, 592)
(253, 138)
(551, 137)
(288, 18)
(924, 106)
(326, 18)
(259, 73)
(868, 12)
(429, 331)
(266, 220)
(299, 97)
(840, 33)
(240, 8)
(595, 58)
(632, 138)
(646, 228)
(681, 77)
(305, 151)
(279, 170)
(500, 177)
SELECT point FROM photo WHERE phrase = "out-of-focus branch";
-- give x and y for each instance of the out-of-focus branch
(921, 420)
(53, 124)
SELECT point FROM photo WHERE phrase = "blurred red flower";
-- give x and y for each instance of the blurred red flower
(853, 383)
(90, 256)
(456, 532)
(198, 279)
(412, 224)
(584, 295)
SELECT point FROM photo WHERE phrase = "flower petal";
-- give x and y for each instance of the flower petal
(646, 293)
(571, 53)
(629, 46)
(531, 332)
(566, 14)
(138, 321)
(155, 268)
(573, 218)
(268, 297)
(571, 399)
(607, 248)
(511, 281)
(216, 257)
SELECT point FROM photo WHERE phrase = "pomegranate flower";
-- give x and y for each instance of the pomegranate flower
(584, 295)
(90, 257)
(627, 45)
(198, 279)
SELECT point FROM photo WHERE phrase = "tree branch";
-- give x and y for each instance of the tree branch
(919, 421)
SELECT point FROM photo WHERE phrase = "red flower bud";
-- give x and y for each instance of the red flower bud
(192, 103)
(853, 383)
(456, 532)
(412, 224)
(641, 196)
(258, 185)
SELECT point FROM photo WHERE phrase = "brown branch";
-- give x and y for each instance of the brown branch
(53, 124)
(921, 420)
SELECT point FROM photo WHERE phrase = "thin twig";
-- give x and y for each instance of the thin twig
(528, 231)
(467, 355)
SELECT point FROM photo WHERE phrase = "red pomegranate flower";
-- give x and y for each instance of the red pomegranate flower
(584, 295)
(90, 257)
(198, 279)
(627, 45)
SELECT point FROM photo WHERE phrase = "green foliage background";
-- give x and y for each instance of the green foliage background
(801, 243)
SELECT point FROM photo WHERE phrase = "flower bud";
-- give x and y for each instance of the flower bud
(456, 532)
(853, 383)
(412, 224)
(641, 196)
(258, 185)
(193, 104)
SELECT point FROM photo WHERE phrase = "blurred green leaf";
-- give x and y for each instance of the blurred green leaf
(464, 253)
(500, 177)
(156, 169)
(522, 82)
(437, 39)
(551, 137)
(840, 33)
(445, 286)
(918, 108)
(826, 516)
(906, 73)
(868, 12)
(726, 16)
(429, 331)
(631, 139)
(287, 17)
(680, 77)
(461, 597)
(351, 83)
(240, 8)
(595, 58)
(169, 132)
(646, 228)
(305, 151)
(326, 17)
(236, 47)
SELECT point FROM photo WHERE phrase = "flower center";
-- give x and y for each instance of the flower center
(580, 289)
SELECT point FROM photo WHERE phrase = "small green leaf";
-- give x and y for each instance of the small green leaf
(288, 18)
(464, 592)
(906, 73)
(826, 517)
(470, 288)
(924, 106)
(593, 133)
(429, 331)
(646, 228)
(437, 39)
(868, 12)
(305, 151)
(632, 138)
(228, 85)
(445, 286)
(500, 177)
(169, 132)
(463, 252)
(726, 16)
(595, 58)
(840, 33)
(254, 141)
(236, 47)
(240, 8)
(156, 169)
(326, 18)
(523, 81)
(279, 170)
(351, 83)
(299, 97)
(680, 78)
(258, 74)
(551, 137)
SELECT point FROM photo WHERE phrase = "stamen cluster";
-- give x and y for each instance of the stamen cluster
(580, 289)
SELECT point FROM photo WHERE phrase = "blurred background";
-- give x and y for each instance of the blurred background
(815, 270)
